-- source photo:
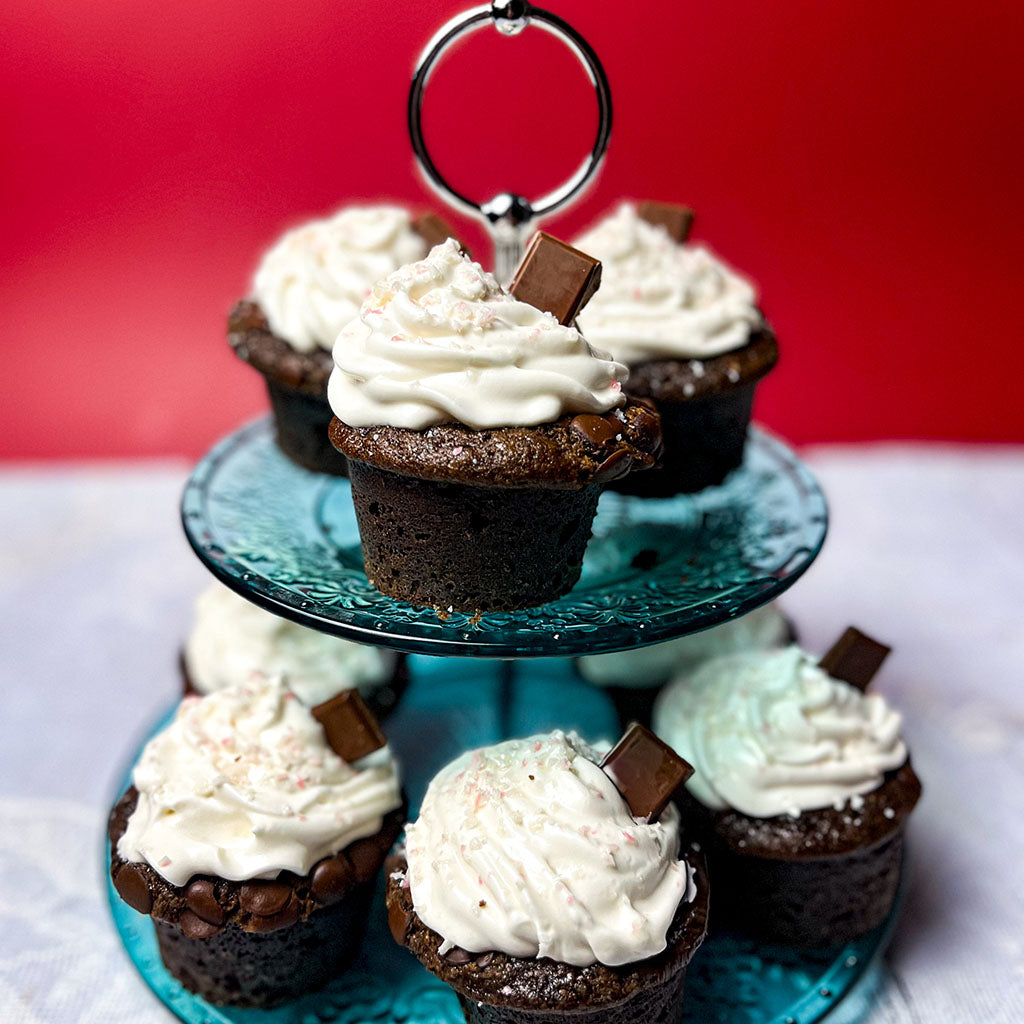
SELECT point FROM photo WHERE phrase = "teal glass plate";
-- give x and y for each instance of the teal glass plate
(452, 704)
(654, 569)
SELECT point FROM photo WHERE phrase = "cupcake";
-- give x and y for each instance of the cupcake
(308, 286)
(530, 887)
(253, 844)
(691, 334)
(633, 678)
(231, 638)
(479, 431)
(802, 785)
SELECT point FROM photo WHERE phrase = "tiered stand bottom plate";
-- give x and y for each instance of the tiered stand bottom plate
(287, 539)
(452, 704)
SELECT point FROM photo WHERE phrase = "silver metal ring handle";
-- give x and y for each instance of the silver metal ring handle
(508, 215)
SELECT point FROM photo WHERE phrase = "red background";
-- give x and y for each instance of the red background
(862, 162)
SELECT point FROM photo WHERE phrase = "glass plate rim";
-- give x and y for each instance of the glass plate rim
(838, 981)
(458, 642)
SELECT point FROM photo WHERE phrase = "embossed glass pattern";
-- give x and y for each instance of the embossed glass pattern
(654, 569)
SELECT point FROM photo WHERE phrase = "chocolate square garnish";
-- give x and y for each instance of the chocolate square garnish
(854, 658)
(556, 278)
(645, 771)
(434, 230)
(351, 729)
(674, 218)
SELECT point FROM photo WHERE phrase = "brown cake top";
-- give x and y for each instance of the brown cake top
(539, 984)
(690, 380)
(206, 904)
(824, 832)
(575, 451)
(774, 738)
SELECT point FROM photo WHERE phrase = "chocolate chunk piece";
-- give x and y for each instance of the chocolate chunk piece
(617, 465)
(351, 729)
(286, 916)
(674, 218)
(855, 658)
(201, 899)
(195, 927)
(556, 278)
(457, 955)
(332, 878)
(485, 960)
(399, 921)
(366, 856)
(645, 771)
(263, 898)
(647, 430)
(131, 885)
(595, 429)
(432, 229)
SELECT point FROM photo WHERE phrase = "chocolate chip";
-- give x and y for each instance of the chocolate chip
(131, 885)
(332, 878)
(854, 658)
(556, 278)
(201, 899)
(485, 960)
(595, 429)
(457, 955)
(366, 858)
(646, 430)
(349, 725)
(286, 916)
(399, 921)
(195, 927)
(617, 465)
(673, 217)
(263, 898)
(645, 771)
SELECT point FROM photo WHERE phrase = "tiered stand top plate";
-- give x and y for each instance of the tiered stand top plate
(654, 569)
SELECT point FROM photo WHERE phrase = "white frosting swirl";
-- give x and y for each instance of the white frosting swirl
(644, 667)
(528, 848)
(231, 638)
(313, 280)
(440, 341)
(242, 785)
(659, 299)
(771, 734)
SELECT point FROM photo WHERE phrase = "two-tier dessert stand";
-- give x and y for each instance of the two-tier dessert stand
(287, 539)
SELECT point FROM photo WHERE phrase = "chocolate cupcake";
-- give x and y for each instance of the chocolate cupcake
(634, 678)
(529, 886)
(691, 334)
(308, 286)
(479, 432)
(802, 788)
(231, 638)
(252, 844)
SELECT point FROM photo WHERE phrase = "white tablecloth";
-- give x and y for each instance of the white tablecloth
(926, 550)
